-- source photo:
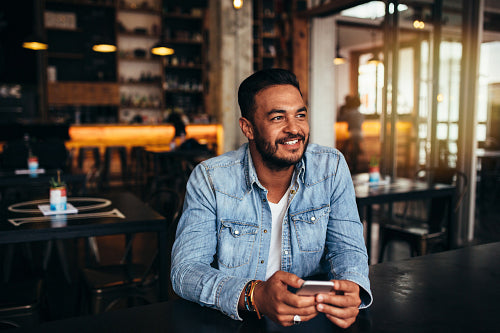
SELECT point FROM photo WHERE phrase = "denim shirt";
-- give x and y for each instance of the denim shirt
(223, 236)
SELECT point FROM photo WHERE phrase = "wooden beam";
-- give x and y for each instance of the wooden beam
(301, 54)
(330, 8)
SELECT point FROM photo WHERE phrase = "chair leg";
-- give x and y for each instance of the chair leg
(63, 259)
(94, 249)
(7, 264)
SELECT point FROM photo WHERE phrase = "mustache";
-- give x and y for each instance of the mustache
(291, 137)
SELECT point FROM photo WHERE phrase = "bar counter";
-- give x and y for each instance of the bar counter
(140, 135)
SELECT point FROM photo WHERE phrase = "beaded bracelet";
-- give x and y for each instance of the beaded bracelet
(248, 304)
(252, 289)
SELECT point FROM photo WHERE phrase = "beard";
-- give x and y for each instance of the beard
(268, 150)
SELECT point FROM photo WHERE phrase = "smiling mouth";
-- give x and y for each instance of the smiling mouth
(292, 142)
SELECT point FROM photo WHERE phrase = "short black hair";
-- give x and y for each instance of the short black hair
(261, 80)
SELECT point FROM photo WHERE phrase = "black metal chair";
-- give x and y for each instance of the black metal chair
(108, 287)
(427, 233)
(21, 303)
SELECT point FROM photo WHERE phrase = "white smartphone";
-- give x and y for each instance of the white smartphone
(311, 288)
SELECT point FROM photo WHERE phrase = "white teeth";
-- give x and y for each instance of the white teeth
(291, 142)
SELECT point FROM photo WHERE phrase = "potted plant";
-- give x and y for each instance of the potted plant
(32, 162)
(374, 170)
(58, 197)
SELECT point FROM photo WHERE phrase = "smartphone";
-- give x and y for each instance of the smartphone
(311, 288)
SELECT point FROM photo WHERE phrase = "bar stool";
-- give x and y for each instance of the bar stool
(82, 153)
(122, 152)
(138, 164)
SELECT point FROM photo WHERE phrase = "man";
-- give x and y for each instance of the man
(258, 220)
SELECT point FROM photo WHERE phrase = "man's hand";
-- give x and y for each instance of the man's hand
(273, 299)
(342, 306)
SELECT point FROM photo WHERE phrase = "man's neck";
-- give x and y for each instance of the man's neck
(275, 181)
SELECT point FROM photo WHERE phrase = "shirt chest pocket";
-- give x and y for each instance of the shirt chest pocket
(310, 227)
(235, 243)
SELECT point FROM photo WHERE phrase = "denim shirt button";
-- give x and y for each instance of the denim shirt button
(265, 231)
(286, 252)
(313, 218)
(263, 200)
(262, 261)
(236, 232)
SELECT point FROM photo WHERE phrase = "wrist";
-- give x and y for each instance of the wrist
(247, 297)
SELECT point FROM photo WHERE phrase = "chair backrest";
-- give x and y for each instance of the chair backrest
(52, 154)
(15, 155)
(167, 202)
(439, 207)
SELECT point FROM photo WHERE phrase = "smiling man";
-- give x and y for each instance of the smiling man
(259, 220)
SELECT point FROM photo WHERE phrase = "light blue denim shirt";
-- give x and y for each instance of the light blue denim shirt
(223, 237)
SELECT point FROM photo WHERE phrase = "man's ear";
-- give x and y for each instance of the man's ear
(246, 127)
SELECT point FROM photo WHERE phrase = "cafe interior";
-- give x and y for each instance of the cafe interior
(116, 101)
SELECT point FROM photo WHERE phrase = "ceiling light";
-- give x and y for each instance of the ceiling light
(162, 49)
(104, 48)
(237, 4)
(339, 59)
(35, 43)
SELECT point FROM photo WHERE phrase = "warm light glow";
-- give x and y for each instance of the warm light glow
(339, 61)
(237, 4)
(104, 48)
(35, 46)
(141, 135)
(162, 50)
(440, 98)
(417, 24)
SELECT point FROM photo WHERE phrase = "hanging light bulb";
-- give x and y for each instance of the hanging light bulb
(339, 59)
(237, 4)
(162, 48)
(104, 48)
(374, 60)
(35, 43)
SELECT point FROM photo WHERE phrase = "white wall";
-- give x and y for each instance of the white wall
(322, 101)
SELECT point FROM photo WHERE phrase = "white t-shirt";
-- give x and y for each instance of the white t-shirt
(278, 211)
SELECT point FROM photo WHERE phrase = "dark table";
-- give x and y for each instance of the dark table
(137, 217)
(399, 189)
(454, 291)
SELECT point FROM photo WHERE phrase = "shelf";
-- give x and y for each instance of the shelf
(147, 11)
(182, 16)
(184, 41)
(270, 35)
(155, 84)
(108, 3)
(141, 59)
(64, 55)
(145, 108)
(197, 67)
(182, 91)
(138, 35)
(64, 30)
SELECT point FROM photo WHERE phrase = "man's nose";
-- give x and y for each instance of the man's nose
(292, 126)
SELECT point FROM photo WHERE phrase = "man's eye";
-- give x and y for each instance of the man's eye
(301, 115)
(277, 118)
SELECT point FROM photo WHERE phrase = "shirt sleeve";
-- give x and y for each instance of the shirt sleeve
(194, 250)
(346, 249)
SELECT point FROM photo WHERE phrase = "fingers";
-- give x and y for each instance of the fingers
(341, 307)
(273, 299)
(346, 286)
(287, 278)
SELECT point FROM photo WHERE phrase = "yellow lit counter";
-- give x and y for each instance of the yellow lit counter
(140, 135)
